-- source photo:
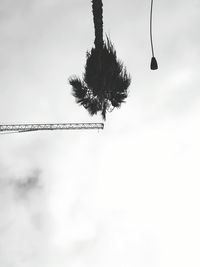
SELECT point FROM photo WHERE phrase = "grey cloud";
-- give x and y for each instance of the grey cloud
(22, 185)
(25, 185)
(55, 215)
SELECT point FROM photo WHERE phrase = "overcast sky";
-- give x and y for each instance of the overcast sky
(125, 196)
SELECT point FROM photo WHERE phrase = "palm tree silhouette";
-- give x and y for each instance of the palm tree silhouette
(105, 81)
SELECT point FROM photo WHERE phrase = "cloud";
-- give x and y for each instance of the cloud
(29, 184)
(23, 223)
(135, 193)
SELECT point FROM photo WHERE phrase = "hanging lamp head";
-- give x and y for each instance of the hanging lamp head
(154, 64)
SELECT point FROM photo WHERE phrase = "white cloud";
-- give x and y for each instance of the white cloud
(128, 195)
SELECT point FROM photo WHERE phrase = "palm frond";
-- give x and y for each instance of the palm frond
(79, 90)
(105, 81)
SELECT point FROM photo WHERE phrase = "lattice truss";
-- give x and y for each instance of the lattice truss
(52, 126)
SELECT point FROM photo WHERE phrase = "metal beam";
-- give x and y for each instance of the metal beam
(49, 126)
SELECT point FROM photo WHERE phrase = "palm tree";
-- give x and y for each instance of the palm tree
(105, 81)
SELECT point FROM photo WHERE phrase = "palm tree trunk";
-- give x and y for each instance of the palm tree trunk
(97, 10)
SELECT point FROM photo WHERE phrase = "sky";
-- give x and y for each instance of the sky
(125, 196)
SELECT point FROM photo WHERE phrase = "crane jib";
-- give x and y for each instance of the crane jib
(50, 126)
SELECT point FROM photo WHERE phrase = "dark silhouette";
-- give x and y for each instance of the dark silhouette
(154, 64)
(105, 81)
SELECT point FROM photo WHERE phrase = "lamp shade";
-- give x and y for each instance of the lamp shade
(154, 64)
